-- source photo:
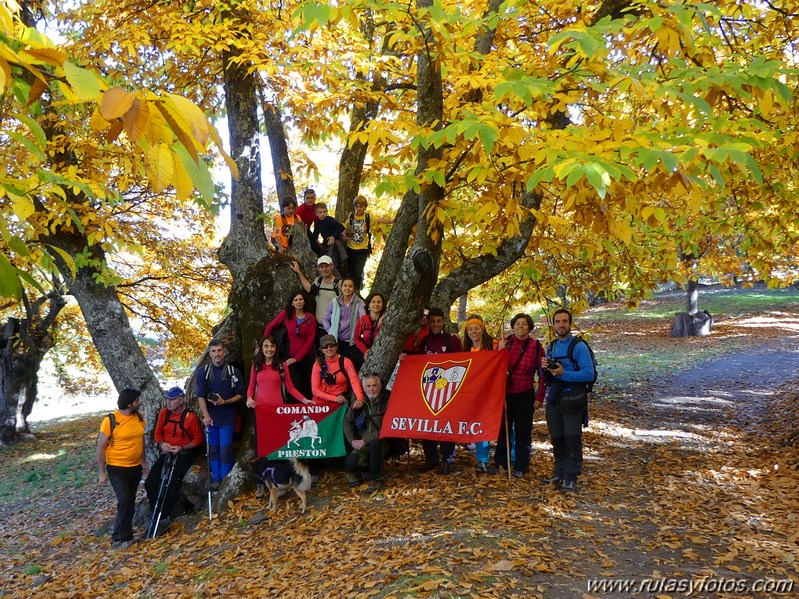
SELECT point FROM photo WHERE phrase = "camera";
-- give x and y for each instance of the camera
(214, 397)
(329, 378)
(552, 364)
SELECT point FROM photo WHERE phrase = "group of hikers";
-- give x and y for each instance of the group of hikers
(311, 353)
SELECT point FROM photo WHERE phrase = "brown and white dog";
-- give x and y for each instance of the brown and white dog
(299, 480)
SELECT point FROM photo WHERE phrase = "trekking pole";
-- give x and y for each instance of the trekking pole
(163, 489)
(208, 469)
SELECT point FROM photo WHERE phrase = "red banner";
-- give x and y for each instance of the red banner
(448, 397)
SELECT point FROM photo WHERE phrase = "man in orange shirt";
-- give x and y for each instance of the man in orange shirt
(120, 459)
(177, 434)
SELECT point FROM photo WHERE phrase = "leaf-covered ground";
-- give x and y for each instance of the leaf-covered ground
(691, 474)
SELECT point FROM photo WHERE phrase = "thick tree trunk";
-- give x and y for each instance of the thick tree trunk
(692, 322)
(477, 271)
(262, 279)
(419, 269)
(350, 167)
(692, 325)
(9, 383)
(109, 327)
(397, 245)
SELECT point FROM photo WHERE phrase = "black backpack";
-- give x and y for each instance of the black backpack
(589, 387)
(351, 220)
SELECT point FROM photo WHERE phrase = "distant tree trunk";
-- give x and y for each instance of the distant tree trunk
(38, 338)
(692, 322)
(109, 327)
(350, 166)
(462, 306)
(692, 297)
(281, 164)
(23, 345)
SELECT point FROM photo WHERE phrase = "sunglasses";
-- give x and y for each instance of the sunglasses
(329, 345)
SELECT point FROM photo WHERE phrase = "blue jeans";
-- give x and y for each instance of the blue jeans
(483, 450)
(220, 451)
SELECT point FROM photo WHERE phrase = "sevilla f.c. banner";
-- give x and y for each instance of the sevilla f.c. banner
(306, 432)
(448, 397)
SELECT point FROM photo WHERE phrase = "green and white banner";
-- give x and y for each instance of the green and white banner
(305, 432)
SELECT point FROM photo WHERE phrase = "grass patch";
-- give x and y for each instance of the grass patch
(32, 570)
(719, 302)
(62, 458)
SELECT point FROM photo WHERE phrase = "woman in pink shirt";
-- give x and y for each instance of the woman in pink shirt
(334, 375)
(300, 322)
(266, 384)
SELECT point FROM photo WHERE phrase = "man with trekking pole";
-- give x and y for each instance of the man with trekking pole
(177, 434)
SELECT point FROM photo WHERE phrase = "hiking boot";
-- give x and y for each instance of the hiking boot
(374, 486)
(215, 486)
(482, 468)
(447, 468)
(518, 474)
(260, 490)
(427, 467)
(552, 480)
(569, 486)
(163, 525)
(493, 469)
(353, 479)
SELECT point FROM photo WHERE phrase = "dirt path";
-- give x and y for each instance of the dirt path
(687, 486)
(681, 488)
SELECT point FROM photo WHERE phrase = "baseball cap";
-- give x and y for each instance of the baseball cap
(324, 260)
(327, 340)
(174, 393)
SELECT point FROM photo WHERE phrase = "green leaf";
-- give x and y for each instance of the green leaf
(575, 175)
(488, 135)
(16, 245)
(10, 283)
(84, 83)
(35, 129)
(542, 174)
(198, 172)
(598, 177)
(28, 143)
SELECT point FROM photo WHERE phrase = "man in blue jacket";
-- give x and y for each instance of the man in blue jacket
(567, 400)
(220, 387)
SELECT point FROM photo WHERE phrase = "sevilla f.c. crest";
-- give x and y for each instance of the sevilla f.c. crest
(441, 382)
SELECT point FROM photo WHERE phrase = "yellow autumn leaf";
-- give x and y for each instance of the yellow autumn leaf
(116, 102)
(161, 166)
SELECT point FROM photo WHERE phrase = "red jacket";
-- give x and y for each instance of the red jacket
(168, 428)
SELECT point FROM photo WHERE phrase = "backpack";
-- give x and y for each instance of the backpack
(323, 370)
(351, 220)
(589, 386)
(318, 282)
(228, 374)
(181, 422)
